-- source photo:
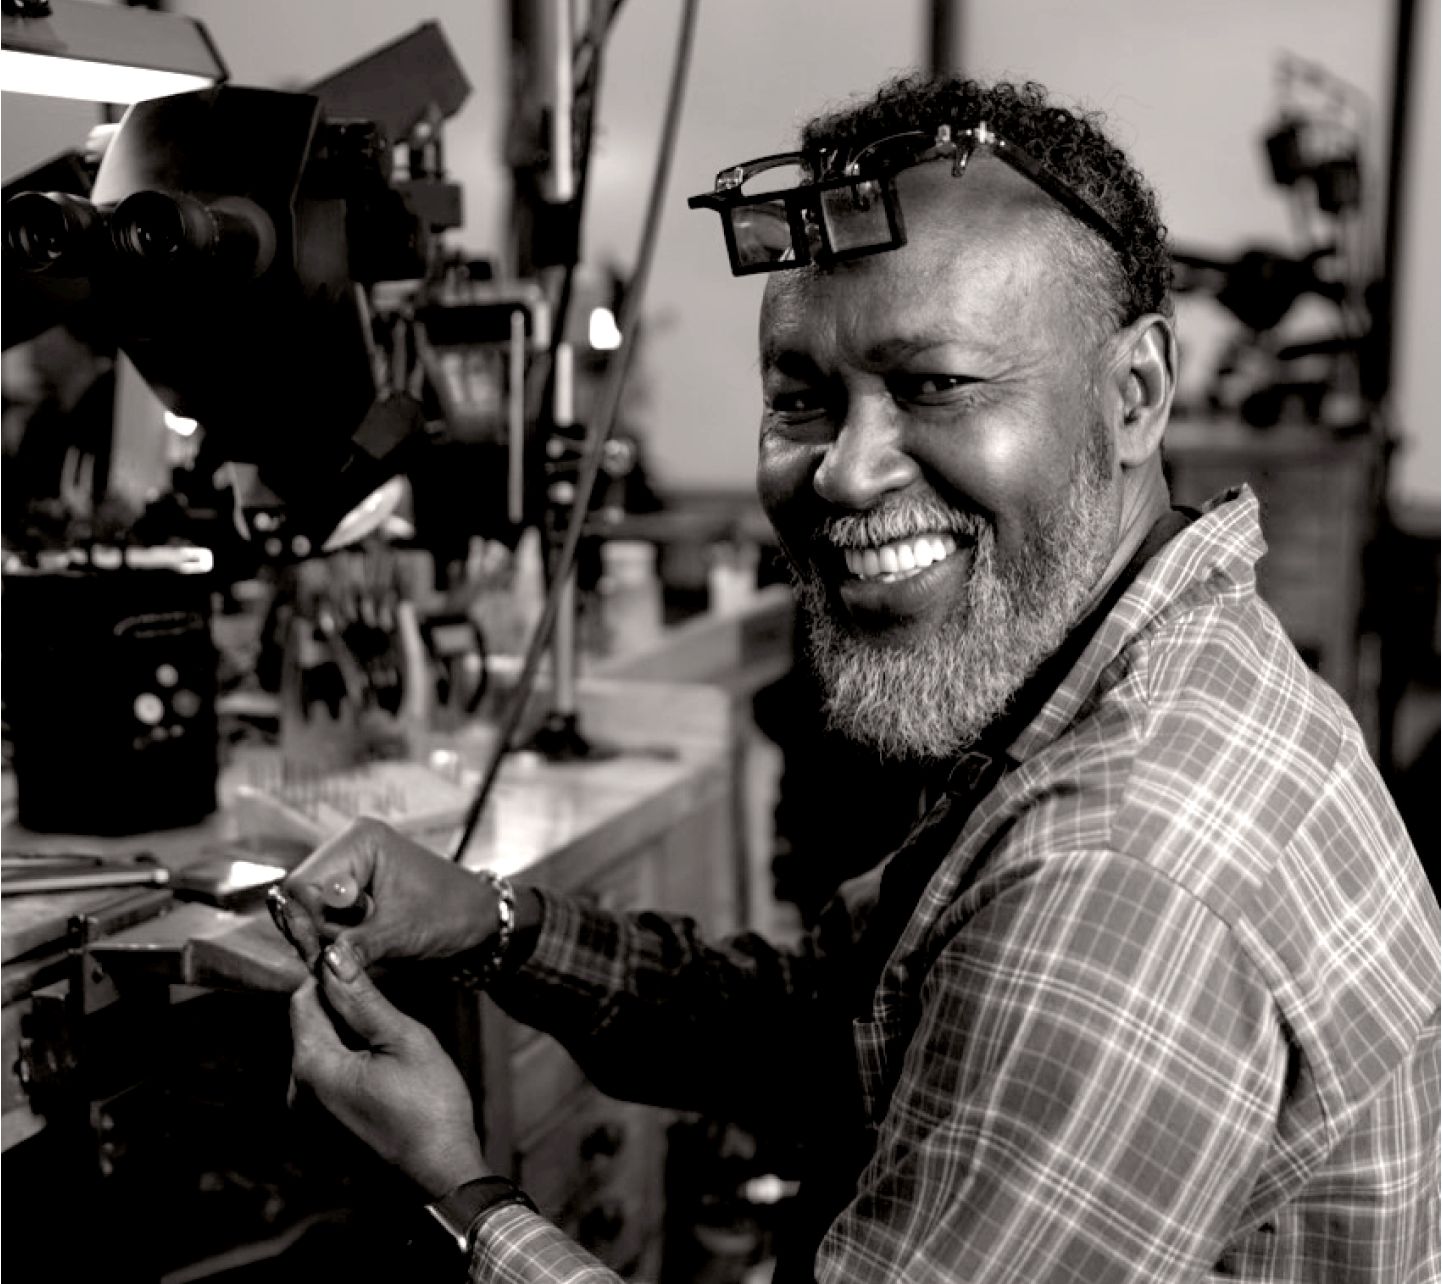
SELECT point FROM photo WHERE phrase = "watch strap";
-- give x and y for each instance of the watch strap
(459, 1212)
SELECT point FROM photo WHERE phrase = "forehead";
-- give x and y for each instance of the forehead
(980, 267)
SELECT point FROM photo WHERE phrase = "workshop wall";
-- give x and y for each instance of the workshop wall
(1190, 90)
(757, 68)
(33, 129)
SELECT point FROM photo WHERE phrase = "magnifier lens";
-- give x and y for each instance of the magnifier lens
(763, 233)
(856, 218)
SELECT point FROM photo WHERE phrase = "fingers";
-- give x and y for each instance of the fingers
(337, 871)
(316, 1043)
(323, 1067)
(330, 887)
(358, 1002)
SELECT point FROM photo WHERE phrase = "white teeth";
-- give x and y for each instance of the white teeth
(901, 557)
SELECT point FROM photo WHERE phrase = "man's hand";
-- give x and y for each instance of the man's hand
(400, 1093)
(415, 904)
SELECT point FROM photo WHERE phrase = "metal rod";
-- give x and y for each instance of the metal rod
(563, 650)
(516, 422)
(563, 638)
(1403, 93)
(607, 404)
(944, 38)
(564, 403)
(563, 165)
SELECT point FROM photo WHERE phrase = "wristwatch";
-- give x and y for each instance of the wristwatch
(459, 1212)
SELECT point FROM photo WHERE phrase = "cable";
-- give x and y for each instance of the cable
(598, 432)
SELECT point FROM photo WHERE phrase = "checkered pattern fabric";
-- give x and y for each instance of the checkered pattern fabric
(1167, 1009)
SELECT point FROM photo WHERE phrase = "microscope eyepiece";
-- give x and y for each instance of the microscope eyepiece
(49, 231)
(160, 230)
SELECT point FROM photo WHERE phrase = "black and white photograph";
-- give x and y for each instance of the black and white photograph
(721, 642)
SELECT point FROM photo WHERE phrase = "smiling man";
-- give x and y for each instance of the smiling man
(938, 460)
(1151, 992)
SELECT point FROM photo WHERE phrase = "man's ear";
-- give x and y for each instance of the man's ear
(1142, 382)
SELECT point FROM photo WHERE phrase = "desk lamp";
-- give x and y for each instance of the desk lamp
(103, 53)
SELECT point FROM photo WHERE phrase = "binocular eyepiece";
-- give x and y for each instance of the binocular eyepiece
(157, 231)
(44, 229)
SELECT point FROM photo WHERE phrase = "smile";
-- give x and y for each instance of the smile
(900, 559)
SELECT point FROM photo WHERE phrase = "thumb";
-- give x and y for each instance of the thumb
(318, 1050)
(311, 1031)
(356, 1000)
(376, 937)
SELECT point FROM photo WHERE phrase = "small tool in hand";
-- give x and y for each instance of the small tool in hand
(280, 905)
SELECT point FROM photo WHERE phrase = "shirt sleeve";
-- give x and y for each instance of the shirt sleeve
(655, 1014)
(1088, 1094)
(517, 1246)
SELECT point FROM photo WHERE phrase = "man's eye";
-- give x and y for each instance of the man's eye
(794, 403)
(931, 389)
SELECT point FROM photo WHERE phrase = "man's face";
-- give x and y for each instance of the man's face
(935, 463)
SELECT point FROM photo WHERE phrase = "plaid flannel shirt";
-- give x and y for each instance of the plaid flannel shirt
(1166, 1010)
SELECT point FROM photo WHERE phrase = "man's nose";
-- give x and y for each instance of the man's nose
(867, 460)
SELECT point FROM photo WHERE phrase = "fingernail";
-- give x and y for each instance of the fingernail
(341, 960)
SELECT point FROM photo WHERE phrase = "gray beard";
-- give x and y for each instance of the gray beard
(927, 701)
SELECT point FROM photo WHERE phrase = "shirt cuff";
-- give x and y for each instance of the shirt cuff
(568, 981)
(516, 1246)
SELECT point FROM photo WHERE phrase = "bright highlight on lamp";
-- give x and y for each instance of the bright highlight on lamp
(604, 334)
(99, 82)
(103, 53)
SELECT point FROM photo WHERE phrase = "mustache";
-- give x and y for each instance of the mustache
(900, 519)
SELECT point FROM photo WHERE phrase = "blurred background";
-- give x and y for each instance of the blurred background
(338, 449)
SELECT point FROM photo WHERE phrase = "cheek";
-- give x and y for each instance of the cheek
(1002, 467)
(783, 475)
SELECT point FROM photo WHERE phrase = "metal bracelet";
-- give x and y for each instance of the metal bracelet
(479, 975)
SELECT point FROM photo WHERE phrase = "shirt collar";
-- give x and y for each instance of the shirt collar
(1225, 542)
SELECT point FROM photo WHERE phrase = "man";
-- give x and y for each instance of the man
(1151, 993)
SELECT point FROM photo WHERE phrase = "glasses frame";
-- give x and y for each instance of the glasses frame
(803, 202)
(803, 205)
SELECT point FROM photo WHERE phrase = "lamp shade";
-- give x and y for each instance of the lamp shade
(103, 53)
